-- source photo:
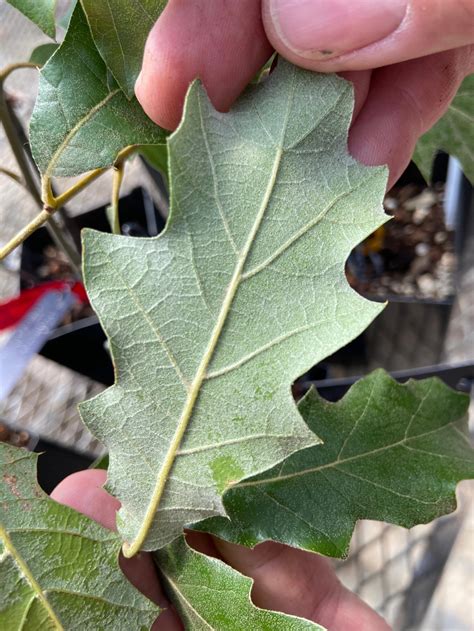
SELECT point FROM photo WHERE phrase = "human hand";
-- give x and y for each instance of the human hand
(406, 59)
(285, 579)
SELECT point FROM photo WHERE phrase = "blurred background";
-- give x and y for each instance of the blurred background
(53, 352)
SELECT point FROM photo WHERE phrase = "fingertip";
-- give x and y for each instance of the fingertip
(222, 44)
(163, 81)
(83, 491)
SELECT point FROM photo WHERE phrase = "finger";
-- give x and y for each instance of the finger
(360, 80)
(223, 43)
(335, 35)
(300, 584)
(83, 491)
(404, 101)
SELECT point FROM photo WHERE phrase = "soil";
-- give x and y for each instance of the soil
(410, 256)
(13, 437)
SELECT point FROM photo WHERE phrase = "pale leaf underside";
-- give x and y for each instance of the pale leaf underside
(211, 322)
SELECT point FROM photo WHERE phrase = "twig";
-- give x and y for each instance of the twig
(60, 200)
(74, 257)
(13, 176)
(26, 232)
(119, 171)
(56, 202)
(6, 72)
(16, 147)
(31, 185)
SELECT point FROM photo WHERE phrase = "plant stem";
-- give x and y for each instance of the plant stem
(16, 147)
(54, 202)
(26, 232)
(51, 203)
(60, 200)
(63, 242)
(30, 183)
(119, 171)
(6, 72)
(13, 176)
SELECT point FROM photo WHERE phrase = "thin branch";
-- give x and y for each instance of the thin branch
(13, 176)
(60, 238)
(17, 148)
(26, 232)
(6, 72)
(31, 185)
(55, 202)
(119, 171)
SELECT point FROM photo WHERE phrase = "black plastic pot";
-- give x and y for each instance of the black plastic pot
(459, 376)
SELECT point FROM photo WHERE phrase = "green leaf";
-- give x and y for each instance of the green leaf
(454, 133)
(41, 12)
(41, 54)
(120, 29)
(211, 322)
(58, 569)
(157, 157)
(209, 594)
(81, 121)
(102, 462)
(65, 18)
(391, 452)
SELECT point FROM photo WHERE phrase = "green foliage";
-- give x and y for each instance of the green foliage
(208, 594)
(41, 12)
(82, 120)
(120, 29)
(211, 322)
(157, 157)
(454, 133)
(41, 54)
(58, 569)
(391, 452)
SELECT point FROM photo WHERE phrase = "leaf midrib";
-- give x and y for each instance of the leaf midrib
(183, 599)
(26, 572)
(77, 127)
(195, 388)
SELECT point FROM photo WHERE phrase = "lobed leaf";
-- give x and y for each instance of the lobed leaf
(41, 12)
(120, 29)
(454, 133)
(82, 119)
(391, 452)
(209, 594)
(211, 322)
(58, 569)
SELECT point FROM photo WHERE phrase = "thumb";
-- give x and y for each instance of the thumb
(335, 35)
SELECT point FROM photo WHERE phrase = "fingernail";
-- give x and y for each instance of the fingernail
(321, 29)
